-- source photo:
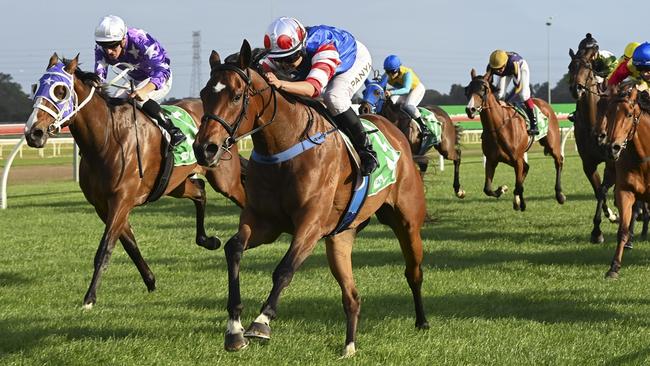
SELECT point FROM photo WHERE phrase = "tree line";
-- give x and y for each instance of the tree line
(16, 106)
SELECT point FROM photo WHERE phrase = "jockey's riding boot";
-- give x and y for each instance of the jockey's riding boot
(425, 134)
(152, 108)
(533, 131)
(176, 135)
(349, 122)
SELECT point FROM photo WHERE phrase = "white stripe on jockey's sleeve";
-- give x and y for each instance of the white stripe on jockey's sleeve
(319, 75)
(326, 54)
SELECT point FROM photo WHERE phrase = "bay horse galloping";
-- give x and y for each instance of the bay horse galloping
(109, 167)
(583, 84)
(374, 101)
(505, 139)
(628, 143)
(301, 183)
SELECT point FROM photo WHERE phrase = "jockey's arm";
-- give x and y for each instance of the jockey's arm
(619, 74)
(301, 88)
(502, 85)
(408, 82)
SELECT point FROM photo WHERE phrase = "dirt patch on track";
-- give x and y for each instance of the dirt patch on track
(39, 173)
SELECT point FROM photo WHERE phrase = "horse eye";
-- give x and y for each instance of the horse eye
(237, 97)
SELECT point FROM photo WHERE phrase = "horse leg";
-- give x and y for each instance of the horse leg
(624, 201)
(646, 220)
(490, 167)
(558, 159)
(130, 246)
(589, 167)
(521, 170)
(116, 219)
(194, 189)
(609, 178)
(637, 210)
(402, 219)
(227, 181)
(339, 257)
(303, 243)
(251, 234)
(460, 193)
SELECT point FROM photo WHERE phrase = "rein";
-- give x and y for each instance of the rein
(248, 92)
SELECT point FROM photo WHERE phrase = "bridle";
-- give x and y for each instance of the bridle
(248, 93)
(591, 79)
(635, 123)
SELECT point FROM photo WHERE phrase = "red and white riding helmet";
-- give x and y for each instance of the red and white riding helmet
(284, 36)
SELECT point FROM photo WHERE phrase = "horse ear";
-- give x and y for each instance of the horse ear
(571, 53)
(72, 65)
(53, 60)
(245, 55)
(215, 60)
(472, 73)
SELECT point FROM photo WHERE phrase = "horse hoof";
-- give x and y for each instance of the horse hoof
(629, 245)
(88, 306)
(210, 243)
(258, 330)
(504, 188)
(460, 193)
(235, 342)
(349, 350)
(422, 326)
(597, 238)
(611, 275)
(561, 198)
(516, 203)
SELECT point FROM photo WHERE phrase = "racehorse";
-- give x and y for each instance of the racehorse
(109, 171)
(628, 133)
(449, 145)
(504, 138)
(583, 84)
(304, 195)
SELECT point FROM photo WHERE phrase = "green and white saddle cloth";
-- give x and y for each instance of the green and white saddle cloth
(435, 129)
(542, 120)
(386, 173)
(183, 153)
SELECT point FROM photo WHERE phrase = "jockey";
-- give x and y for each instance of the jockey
(117, 43)
(322, 60)
(638, 68)
(627, 55)
(509, 66)
(408, 90)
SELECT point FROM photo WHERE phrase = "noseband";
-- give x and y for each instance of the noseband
(248, 92)
(588, 83)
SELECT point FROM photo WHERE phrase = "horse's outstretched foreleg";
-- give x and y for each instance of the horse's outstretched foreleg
(251, 233)
(589, 167)
(637, 211)
(521, 170)
(490, 167)
(116, 219)
(609, 178)
(624, 201)
(339, 257)
(194, 189)
(304, 240)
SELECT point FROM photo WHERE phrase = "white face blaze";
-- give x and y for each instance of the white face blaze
(470, 104)
(219, 87)
(32, 119)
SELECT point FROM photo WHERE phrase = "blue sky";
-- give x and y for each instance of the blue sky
(440, 40)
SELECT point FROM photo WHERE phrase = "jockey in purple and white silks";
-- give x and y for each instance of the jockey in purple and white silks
(325, 61)
(510, 66)
(116, 44)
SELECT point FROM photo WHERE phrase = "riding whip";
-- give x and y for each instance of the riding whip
(137, 140)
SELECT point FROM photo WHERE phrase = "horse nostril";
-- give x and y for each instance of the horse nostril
(616, 147)
(37, 134)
